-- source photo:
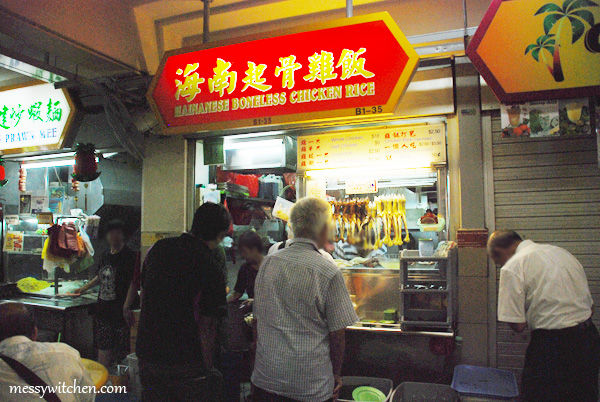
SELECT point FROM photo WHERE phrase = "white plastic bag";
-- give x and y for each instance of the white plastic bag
(282, 209)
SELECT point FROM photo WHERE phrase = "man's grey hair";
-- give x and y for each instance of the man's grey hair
(503, 239)
(309, 216)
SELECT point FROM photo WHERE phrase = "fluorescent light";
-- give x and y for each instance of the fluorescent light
(431, 85)
(47, 164)
(262, 144)
(61, 155)
(254, 135)
(49, 156)
(382, 173)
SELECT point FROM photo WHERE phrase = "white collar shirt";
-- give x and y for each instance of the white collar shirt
(545, 286)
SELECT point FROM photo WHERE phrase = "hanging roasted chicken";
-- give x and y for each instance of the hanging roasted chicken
(372, 223)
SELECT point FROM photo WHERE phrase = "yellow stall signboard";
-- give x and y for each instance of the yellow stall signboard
(539, 49)
(387, 147)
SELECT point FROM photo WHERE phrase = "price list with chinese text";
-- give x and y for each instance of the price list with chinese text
(388, 147)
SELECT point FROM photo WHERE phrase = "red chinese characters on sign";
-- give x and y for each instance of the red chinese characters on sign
(353, 67)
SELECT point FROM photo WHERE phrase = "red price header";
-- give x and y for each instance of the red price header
(352, 67)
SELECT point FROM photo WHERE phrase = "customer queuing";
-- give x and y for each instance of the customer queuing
(302, 308)
(183, 298)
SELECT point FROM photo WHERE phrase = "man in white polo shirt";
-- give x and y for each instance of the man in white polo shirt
(544, 287)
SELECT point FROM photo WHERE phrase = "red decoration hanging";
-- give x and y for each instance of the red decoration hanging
(74, 185)
(3, 180)
(86, 167)
(22, 179)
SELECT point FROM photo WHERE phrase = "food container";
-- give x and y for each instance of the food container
(135, 386)
(434, 227)
(484, 384)
(118, 375)
(390, 314)
(389, 261)
(426, 247)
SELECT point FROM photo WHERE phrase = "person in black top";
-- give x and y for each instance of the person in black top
(115, 272)
(251, 248)
(183, 298)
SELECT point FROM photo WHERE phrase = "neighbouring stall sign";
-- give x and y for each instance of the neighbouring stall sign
(393, 147)
(539, 49)
(33, 118)
(353, 67)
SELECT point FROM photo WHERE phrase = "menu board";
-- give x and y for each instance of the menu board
(388, 147)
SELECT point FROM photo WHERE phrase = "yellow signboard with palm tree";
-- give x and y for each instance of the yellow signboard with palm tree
(539, 49)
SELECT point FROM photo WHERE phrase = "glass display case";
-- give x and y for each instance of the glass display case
(374, 294)
(24, 240)
(23, 243)
(49, 198)
(428, 289)
(388, 190)
(375, 220)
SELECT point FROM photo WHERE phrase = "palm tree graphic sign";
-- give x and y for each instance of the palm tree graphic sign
(547, 47)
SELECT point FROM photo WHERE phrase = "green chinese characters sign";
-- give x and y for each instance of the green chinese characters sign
(34, 118)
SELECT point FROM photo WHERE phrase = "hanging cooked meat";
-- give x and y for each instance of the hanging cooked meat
(363, 221)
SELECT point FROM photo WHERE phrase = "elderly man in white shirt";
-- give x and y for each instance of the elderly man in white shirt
(25, 363)
(302, 308)
(544, 287)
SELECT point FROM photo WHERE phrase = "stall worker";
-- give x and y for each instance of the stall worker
(183, 298)
(302, 308)
(25, 363)
(251, 248)
(115, 273)
(544, 287)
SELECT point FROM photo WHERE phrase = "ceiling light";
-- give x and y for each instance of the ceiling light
(47, 164)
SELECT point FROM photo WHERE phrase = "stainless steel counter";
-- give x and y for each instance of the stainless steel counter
(46, 298)
(399, 331)
(61, 303)
(63, 317)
